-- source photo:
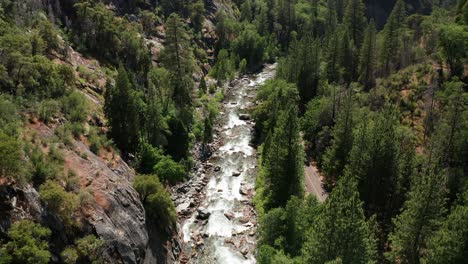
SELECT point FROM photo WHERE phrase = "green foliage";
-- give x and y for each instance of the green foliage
(302, 67)
(449, 243)
(169, 170)
(75, 106)
(284, 159)
(48, 109)
(392, 38)
(96, 26)
(88, 247)
(367, 61)
(28, 243)
(24, 70)
(374, 161)
(355, 21)
(420, 217)
(177, 58)
(243, 66)
(341, 229)
(275, 96)
(223, 69)
(317, 119)
(43, 168)
(11, 163)
(336, 157)
(9, 120)
(250, 45)
(156, 199)
(454, 42)
(69, 255)
(59, 201)
(122, 111)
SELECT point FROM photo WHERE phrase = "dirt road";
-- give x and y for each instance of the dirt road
(313, 182)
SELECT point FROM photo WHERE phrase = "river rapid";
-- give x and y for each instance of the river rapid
(218, 219)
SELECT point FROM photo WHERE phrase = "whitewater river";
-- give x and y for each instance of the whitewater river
(228, 234)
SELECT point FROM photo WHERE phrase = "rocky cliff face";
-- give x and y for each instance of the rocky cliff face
(116, 214)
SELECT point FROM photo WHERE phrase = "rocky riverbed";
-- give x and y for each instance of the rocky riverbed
(217, 219)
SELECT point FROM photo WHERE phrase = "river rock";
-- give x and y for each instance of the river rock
(229, 215)
(244, 117)
(200, 242)
(243, 191)
(217, 168)
(244, 251)
(203, 214)
(183, 189)
(236, 173)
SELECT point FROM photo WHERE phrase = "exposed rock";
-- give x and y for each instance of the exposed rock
(243, 191)
(244, 251)
(203, 214)
(229, 216)
(244, 117)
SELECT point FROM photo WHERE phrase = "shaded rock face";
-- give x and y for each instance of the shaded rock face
(117, 216)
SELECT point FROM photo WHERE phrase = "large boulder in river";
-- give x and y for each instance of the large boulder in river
(244, 117)
(203, 214)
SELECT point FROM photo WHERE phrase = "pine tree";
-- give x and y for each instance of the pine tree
(392, 37)
(374, 160)
(333, 56)
(309, 73)
(121, 108)
(331, 19)
(246, 11)
(337, 155)
(449, 245)
(355, 21)
(284, 159)
(285, 14)
(155, 126)
(340, 9)
(340, 229)
(453, 41)
(368, 57)
(420, 217)
(348, 58)
(177, 58)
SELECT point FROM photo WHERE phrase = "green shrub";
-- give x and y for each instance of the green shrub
(64, 135)
(85, 198)
(75, 106)
(212, 88)
(89, 247)
(243, 66)
(11, 163)
(43, 168)
(62, 203)
(169, 170)
(156, 199)
(97, 141)
(69, 255)
(148, 157)
(8, 117)
(56, 154)
(71, 180)
(76, 129)
(48, 109)
(28, 243)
